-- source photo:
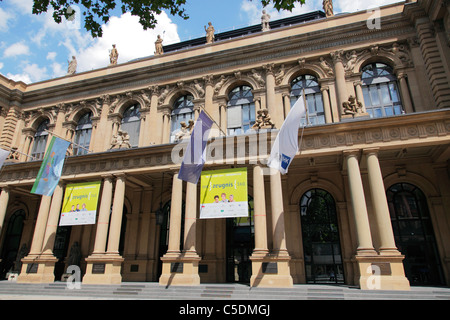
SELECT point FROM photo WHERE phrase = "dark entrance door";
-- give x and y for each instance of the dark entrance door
(321, 242)
(240, 244)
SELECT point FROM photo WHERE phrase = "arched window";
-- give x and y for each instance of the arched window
(414, 235)
(380, 91)
(40, 140)
(315, 113)
(183, 111)
(83, 134)
(131, 123)
(321, 243)
(241, 110)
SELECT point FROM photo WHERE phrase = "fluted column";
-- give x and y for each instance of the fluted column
(116, 215)
(326, 104)
(359, 94)
(103, 218)
(379, 202)
(365, 245)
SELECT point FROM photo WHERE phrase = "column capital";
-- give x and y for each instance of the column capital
(120, 175)
(369, 151)
(351, 153)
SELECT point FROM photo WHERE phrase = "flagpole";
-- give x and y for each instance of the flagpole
(75, 144)
(13, 151)
(213, 120)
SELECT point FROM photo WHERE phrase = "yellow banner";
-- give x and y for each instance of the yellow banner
(224, 194)
(80, 204)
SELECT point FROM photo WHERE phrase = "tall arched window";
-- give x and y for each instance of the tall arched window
(414, 235)
(12, 242)
(320, 233)
(40, 140)
(380, 91)
(183, 111)
(315, 113)
(241, 110)
(131, 123)
(83, 134)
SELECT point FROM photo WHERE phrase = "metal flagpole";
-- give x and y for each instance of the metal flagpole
(12, 150)
(75, 144)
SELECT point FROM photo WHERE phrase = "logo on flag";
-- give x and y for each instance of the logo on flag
(51, 168)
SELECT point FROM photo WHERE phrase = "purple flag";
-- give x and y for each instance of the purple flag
(194, 159)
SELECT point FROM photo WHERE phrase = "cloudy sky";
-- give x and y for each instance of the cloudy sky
(34, 48)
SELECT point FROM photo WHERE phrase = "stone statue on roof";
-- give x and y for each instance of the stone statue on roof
(265, 19)
(328, 8)
(72, 69)
(113, 56)
(209, 33)
(158, 46)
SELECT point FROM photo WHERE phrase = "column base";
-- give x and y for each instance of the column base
(180, 269)
(103, 269)
(271, 271)
(382, 272)
(37, 269)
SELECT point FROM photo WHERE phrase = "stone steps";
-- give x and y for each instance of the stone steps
(153, 291)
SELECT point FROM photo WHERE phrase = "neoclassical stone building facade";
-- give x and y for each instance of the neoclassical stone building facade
(368, 194)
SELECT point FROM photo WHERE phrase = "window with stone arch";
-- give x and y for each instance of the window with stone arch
(380, 91)
(40, 140)
(131, 123)
(183, 111)
(83, 133)
(241, 113)
(315, 113)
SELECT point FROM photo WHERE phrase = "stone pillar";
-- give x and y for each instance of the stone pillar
(53, 218)
(273, 270)
(379, 202)
(406, 97)
(365, 245)
(359, 94)
(326, 104)
(175, 216)
(223, 118)
(272, 106)
(166, 127)
(35, 270)
(104, 268)
(339, 71)
(287, 104)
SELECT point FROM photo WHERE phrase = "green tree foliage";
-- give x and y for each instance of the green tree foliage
(98, 12)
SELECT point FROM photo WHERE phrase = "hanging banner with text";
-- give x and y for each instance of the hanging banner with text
(224, 194)
(80, 204)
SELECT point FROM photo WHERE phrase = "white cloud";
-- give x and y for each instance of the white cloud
(51, 55)
(131, 40)
(31, 72)
(358, 5)
(1, 65)
(5, 17)
(16, 49)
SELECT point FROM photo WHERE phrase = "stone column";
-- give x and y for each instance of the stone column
(39, 229)
(259, 201)
(175, 216)
(276, 198)
(287, 104)
(359, 94)
(223, 118)
(406, 97)
(379, 202)
(103, 217)
(52, 223)
(270, 96)
(339, 71)
(4, 198)
(166, 127)
(365, 245)
(190, 220)
(326, 104)
(116, 216)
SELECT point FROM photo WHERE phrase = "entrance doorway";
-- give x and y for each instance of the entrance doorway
(414, 235)
(240, 244)
(321, 242)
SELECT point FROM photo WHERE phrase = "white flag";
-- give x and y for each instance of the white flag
(285, 146)
(3, 155)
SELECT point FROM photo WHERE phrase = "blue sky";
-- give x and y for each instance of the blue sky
(34, 48)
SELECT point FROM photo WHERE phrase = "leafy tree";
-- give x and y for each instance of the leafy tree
(97, 12)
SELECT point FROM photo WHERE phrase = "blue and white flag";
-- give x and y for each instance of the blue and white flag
(51, 168)
(285, 146)
(194, 158)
